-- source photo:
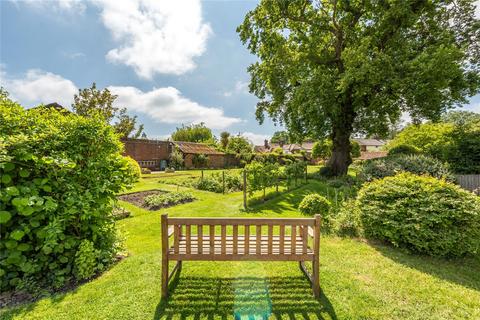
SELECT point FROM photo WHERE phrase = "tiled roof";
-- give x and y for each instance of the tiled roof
(372, 155)
(196, 148)
(370, 142)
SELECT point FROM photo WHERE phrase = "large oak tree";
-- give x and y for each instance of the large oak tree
(337, 67)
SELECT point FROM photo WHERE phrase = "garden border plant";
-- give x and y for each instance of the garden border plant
(60, 174)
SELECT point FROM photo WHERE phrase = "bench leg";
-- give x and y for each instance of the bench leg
(164, 277)
(316, 278)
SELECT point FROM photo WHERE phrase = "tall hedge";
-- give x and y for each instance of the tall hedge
(59, 176)
(422, 214)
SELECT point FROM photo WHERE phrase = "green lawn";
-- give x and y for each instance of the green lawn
(358, 280)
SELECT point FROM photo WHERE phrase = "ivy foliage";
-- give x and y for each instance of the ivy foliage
(60, 173)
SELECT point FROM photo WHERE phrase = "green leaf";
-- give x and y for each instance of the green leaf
(8, 166)
(26, 211)
(5, 216)
(13, 191)
(17, 234)
(47, 188)
(23, 247)
(6, 178)
(24, 173)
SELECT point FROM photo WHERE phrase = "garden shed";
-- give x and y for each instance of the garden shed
(190, 150)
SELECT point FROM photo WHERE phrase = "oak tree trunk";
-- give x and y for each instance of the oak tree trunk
(340, 159)
(341, 132)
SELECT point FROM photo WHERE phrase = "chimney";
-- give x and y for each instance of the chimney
(265, 143)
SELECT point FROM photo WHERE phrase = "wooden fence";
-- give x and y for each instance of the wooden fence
(469, 181)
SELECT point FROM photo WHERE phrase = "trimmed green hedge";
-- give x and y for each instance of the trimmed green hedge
(60, 174)
(417, 164)
(422, 214)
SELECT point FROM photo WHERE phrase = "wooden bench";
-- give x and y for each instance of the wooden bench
(272, 239)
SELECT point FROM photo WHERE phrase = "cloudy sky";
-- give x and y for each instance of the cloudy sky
(170, 62)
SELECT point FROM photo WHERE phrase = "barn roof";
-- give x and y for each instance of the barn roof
(196, 148)
(370, 142)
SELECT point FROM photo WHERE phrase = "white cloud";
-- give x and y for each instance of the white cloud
(167, 105)
(257, 139)
(38, 86)
(64, 6)
(164, 105)
(240, 87)
(472, 107)
(477, 9)
(155, 36)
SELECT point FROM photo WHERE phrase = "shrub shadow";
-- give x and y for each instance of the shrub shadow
(462, 271)
(242, 298)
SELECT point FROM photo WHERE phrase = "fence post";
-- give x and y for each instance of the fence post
(223, 180)
(306, 174)
(245, 189)
(202, 174)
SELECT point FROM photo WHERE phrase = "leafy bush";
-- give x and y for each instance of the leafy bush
(464, 153)
(422, 214)
(209, 184)
(430, 138)
(176, 159)
(168, 199)
(418, 164)
(85, 260)
(60, 174)
(135, 168)
(356, 150)
(200, 160)
(214, 183)
(403, 149)
(347, 220)
(295, 171)
(315, 204)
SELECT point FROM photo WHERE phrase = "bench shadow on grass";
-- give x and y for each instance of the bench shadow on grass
(243, 298)
(462, 271)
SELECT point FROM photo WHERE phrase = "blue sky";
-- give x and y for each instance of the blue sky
(170, 62)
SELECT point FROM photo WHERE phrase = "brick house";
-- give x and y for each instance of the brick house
(152, 154)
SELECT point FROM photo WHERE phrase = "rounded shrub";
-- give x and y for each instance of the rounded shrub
(422, 214)
(315, 204)
(134, 167)
(403, 149)
(347, 220)
(418, 164)
(60, 174)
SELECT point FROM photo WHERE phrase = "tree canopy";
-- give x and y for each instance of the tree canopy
(280, 137)
(332, 68)
(194, 133)
(239, 145)
(91, 101)
(461, 118)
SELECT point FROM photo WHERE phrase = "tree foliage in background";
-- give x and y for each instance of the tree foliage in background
(332, 68)
(224, 138)
(60, 174)
(239, 145)
(430, 138)
(322, 149)
(280, 137)
(456, 142)
(461, 118)
(194, 133)
(91, 102)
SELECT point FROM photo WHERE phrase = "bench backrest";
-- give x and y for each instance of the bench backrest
(234, 236)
